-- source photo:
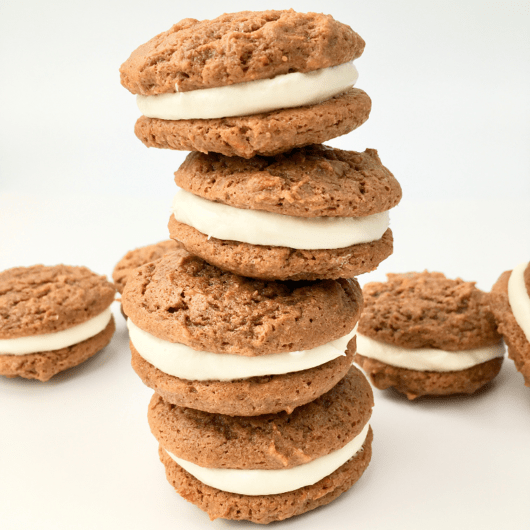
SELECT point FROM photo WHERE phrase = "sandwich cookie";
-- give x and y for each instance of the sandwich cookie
(316, 212)
(510, 303)
(425, 334)
(247, 83)
(271, 467)
(140, 256)
(52, 318)
(207, 339)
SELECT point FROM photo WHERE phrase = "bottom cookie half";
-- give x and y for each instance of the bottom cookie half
(283, 263)
(265, 509)
(246, 397)
(43, 366)
(415, 383)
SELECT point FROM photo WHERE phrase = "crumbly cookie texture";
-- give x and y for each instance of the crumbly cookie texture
(43, 299)
(518, 345)
(271, 441)
(246, 397)
(140, 256)
(264, 509)
(44, 365)
(283, 263)
(236, 48)
(182, 298)
(264, 134)
(312, 181)
(414, 383)
(427, 310)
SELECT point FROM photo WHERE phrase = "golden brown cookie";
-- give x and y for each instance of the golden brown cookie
(181, 298)
(264, 509)
(60, 315)
(269, 442)
(45, 365)
(283, 263)
(246, 397)
(218, 313)
(515, 338)
(427, 310)
(264, 134)
(428, 335)
(297, 194)
(415, 383)
(312, 181)
(237, 48)
(140, 256)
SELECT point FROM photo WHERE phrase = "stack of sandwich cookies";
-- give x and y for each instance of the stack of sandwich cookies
(315, 212)
(269, 467)
(425, 334)
(510, 303)
(51, 319)
(207, 339)
(247, 83)
(251, 328)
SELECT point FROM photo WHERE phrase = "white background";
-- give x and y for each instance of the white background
(449, 83)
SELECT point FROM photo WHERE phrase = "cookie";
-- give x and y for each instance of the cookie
(52, 318)
(238, 47)
(510, 304)
(247, 83)
(208, 339)
(264, 134)
(268, 467)
(250, 396)
(425, 334)
(316, 212)
(181, 298)
(140, 256)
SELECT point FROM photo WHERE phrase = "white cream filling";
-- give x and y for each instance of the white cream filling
(184, 362)
(273, 481)
(519, 299)
(426, 359)
(253, 97)
(59, 339)
(257, 227)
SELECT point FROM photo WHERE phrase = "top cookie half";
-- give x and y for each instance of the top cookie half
(236, 48)
(247, 83)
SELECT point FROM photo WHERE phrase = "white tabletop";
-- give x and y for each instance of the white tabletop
(449, 84)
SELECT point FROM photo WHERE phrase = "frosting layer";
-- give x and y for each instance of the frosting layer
(273, 481)
(56, 341)
(243, 99)
(258, 227)
(184, 362)
(426, 359)
(519, 299)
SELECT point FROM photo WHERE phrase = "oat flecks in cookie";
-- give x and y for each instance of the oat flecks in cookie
(272, 441)
(264, 134)
(45, 299)
(182, 298)
(427, 310)
(236, 48)
(514, 336)
(312, 181)
(138, 257)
